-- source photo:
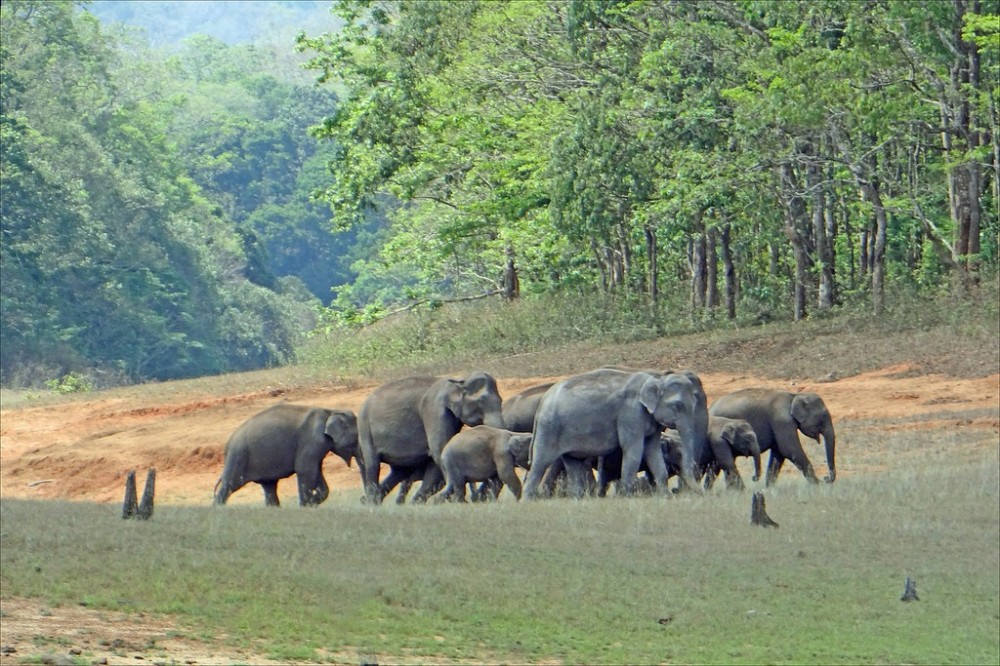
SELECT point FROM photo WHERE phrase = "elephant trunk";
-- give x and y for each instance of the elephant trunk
(494, 419)
(830, 441)
(688, 463)
(755, 452)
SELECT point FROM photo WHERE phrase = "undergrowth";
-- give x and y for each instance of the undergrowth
(493, 333)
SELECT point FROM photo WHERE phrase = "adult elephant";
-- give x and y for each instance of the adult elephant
(519, 410)
(519, 416)
(701, 452)
(483, 453)
(284, 440)
(591, 414)
(407, 422)
(777, 417)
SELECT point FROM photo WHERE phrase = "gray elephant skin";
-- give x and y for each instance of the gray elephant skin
(519, 416)
(777, 417)
(519, 410)
(284, 440)
(406, 424)
(729, 439)
(592, 414)
(483, 453)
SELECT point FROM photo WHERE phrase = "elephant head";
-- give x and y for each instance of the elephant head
(743, 442)
(519, 446)
(475, 400)
(341, 433)
(672, 401)
(813, 419)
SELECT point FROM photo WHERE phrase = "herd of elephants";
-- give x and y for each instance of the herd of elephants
(621, 422)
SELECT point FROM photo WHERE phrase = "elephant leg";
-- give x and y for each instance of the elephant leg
(312, 494)
(551, 479)
(774, 463)
(225, 490)
(432, 482)
(370, 475)
(506, 476)
(656, 467)
(631, 459)
(398, 476)
(270, 493)
(489, 489)
(710, 476)
(444, 495)
(542, 459)
(590, 478)
(609, 468)
(576, 473)
(800, 460)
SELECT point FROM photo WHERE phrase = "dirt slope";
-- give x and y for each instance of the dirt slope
(82, 450)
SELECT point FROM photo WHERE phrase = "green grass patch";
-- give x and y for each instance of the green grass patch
(597, 581)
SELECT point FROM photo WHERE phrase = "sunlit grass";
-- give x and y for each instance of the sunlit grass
(596, 581)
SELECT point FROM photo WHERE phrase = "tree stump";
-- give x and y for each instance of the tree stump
(145, 510)
(757, 514)
(910, 592)
(130, 505)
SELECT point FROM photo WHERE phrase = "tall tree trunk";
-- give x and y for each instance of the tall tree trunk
(960, 138)
(863, 254)
(511, 283)
(729, 272)
(831, 248)
(878, 248)
(711, 269)
(795, 214)
(697, 253)
(601, 265)
(821, 240)
(653, 268)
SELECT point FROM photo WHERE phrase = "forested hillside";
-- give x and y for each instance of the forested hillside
(156, 209)
(732, 157)
(185, 210)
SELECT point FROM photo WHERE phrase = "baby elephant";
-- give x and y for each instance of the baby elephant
(284, 440)
(729, 439)
(482, 453)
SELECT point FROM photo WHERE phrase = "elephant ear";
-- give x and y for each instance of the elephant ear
(801, 407)
(340, 425)
(729, 434)
(453, 395)
(650, 394)
(520, 447)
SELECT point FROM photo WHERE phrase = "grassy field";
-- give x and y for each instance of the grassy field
(643, 580)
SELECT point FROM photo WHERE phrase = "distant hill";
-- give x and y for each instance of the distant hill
(167, 24)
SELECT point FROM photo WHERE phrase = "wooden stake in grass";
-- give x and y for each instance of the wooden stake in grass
(757, 514)
(130, 506)
(910, 593)
(145, 510)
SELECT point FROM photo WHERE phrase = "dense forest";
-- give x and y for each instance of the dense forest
(168, 212)
(156, 203)
(754, 155)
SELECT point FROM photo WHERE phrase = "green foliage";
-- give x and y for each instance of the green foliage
(70, 383)
(115, 262)
(589, 137)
